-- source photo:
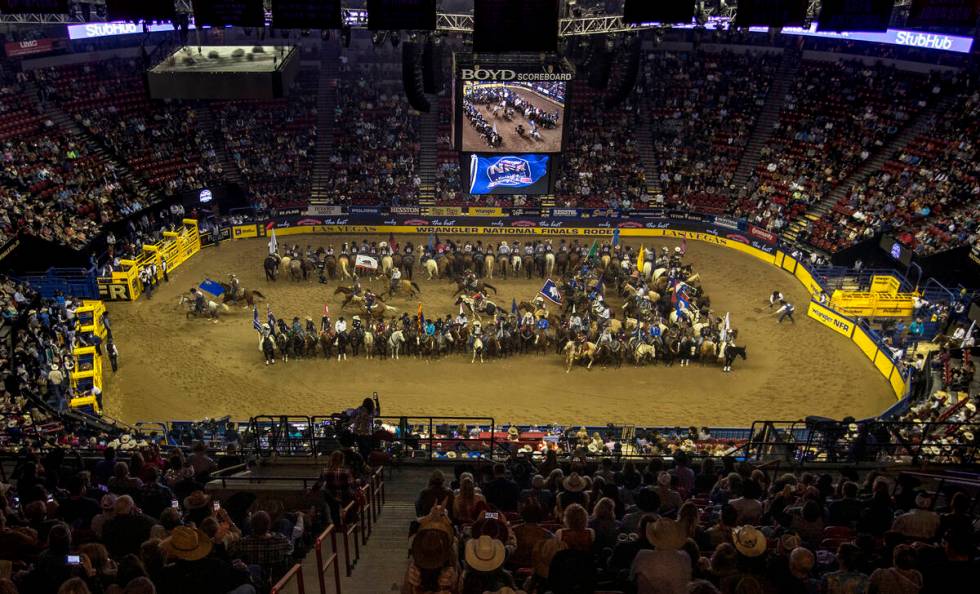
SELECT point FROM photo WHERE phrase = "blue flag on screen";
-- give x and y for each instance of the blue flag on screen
(212, 287)
(487, 174)
(255, 319)
(550, 291)
(513, 305)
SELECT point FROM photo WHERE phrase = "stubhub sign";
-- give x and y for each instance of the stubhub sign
(90, 30)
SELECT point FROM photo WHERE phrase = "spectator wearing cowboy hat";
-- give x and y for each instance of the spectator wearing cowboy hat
(750, 561)
(919, 523)
(573, 491)
(485, 567)
(670, 499)
(666, 569)
(193, 571)
(433, 567)
(124, 533)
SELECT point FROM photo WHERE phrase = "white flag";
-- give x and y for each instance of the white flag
(968, 334)
(362, 261)
(273, 243)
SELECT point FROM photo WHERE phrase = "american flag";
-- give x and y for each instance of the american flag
(255, 319)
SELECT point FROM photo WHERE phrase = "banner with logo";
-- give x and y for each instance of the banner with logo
(19, 49)
(831, 319)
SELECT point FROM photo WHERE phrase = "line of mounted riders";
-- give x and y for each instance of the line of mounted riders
(656, 325)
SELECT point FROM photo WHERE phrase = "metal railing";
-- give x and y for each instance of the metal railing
(295, 573)
(331, 560)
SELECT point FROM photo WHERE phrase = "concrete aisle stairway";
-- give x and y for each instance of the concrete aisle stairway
(922, 122)
(384, 558)
(210, 121)
(428, 155)
(326, 105)
(769, 115)
(644, 145)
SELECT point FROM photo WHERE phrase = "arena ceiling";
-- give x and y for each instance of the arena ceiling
(593, 21)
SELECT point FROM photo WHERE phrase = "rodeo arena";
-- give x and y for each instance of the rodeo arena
(489, 296)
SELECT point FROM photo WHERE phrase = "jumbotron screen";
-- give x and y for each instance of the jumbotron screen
(515, 107)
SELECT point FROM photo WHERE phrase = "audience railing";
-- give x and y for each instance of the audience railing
(295, 573)
(330, 561)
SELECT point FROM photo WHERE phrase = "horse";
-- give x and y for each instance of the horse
(431, 268)
(489, 263)
(395, 342)
(561, 263)
(340, 341)
(330, 266)
(387, 263)
(644, 352)
(355, 338)
(611, 350)
(271, 267)
(574, 352)
(212, 309)
(369, 345)
(527, 263)
(730, 353)
(549, 264)
(326, 342)
(295, 268)
(516, 264)
(707, 351)
(344, 262)
(481, 286)
(250, 296)
(488, 307)
(477, 349)
(407, 286)
(503, 264)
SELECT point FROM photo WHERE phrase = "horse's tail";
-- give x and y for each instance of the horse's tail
(225, 307)
(416, 286)
(491, 287)
(258, 294)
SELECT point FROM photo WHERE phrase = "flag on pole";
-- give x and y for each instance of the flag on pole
(273, 242)
(594, 250)
(255, 319)
(640, 257)
(461, 309)
(550, 292)
(615, 239)
(513, 305)
(421, 319)
(596, 290)
(683, 245)
(432, 242)
(268, 315)
(326, 310)
(362, 261)
(968, 334)
(727, 327)
(391, 242)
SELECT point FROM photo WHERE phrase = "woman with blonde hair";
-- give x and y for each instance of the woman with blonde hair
(465, 503)
(575, 532)
(603, 524)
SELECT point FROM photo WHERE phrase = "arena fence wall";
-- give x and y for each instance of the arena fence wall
(725, 232)
(175, 249)
(88, 361)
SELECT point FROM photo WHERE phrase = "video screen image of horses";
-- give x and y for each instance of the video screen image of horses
(523, 328)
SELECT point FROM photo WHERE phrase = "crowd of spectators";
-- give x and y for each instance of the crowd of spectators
(677, 527)
(601, 167)
(273, 143)
(163, 142)
(703, 106)
(926, 194)
(835, 115)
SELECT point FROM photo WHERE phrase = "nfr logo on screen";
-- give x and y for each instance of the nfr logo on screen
(509, 171)
(490, 173)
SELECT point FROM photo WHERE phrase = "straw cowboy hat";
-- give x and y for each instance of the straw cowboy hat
(574, 483)
(431, 549)
(970, 406)
(186, 543)
(666, 534)
(513, 431)
(484, 553)
(749, 541)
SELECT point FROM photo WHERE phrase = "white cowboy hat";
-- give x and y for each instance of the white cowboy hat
(968, 435)
(477, 323)
(677, 249)
(749, 541)
(971, 407)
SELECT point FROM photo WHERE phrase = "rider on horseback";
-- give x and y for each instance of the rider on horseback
(297, 327)
(396, 276)
(235, 285)
(369, 298)
(470, 281)
(198, 297)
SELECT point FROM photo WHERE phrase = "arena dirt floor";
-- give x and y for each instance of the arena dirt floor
(174, 368)
(511, 141)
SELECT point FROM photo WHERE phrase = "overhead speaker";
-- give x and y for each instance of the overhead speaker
(624, 86)
(432, 67)
(412, 76)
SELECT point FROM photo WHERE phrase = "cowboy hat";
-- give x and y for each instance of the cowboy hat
(663, 479)
(484, 553)
(970, 406)
(196, 500)
(573, 483)
(186, 543)
(513, 430)
(749, 541)
(968, 435)
(431, 549)
(666, 534)
(593, 448)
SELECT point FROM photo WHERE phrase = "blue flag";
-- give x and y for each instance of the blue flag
(550, 292)
(212, 287)
(596, 291)
(269, 316)
(255, 319)
(432, 242)
(615, 239)
(513, 305)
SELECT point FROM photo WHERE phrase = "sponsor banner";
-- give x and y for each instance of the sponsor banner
(405, 210)
(286, 212)
(17, 49)
(737, 237)
(831, 319)
(688, 216)
(109, 291)
(243, 231)
(442, 211)
(727, 223)
(527, 212)
(367, 210)
(762, 235)
(650, 213)
(207, 238)
(564, 212)
(485, 211)
(324, 211)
